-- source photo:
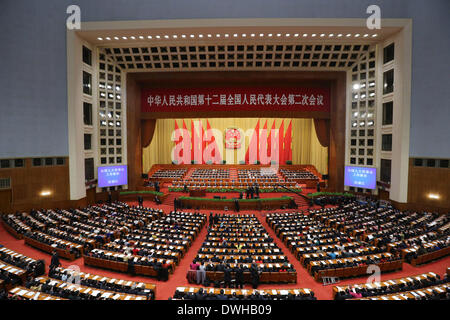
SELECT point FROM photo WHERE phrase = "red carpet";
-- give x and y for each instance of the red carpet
(165, 290)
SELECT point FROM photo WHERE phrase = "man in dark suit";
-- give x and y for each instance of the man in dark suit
(222, 296)
(239, 275)
(140, 201)
(227, 276)
(55, 263)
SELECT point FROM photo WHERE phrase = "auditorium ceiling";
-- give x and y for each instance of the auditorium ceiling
(215, 45)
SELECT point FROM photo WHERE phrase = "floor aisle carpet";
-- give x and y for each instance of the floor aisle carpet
(165, 290)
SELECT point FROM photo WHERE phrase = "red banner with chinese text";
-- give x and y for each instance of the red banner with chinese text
(235, 99)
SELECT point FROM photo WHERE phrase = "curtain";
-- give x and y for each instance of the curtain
(305, 145)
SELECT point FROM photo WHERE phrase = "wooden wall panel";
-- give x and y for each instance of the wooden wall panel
(422, 181)
(28, 182)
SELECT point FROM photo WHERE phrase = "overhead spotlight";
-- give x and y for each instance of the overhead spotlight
(295, 34)
(209, 35)
(356, 86)
(108, 38)
(305, 34)
(192, 36)
(158, 37)
(226, 35)
(252, 35)
(366, 35)
(100, 38)
(150, 37)
(322, 34)
(235, 35)
(331, 35)
(348, 34)
(141, 37)
(183, 36)
(433, 196)
(278, 34)
(174, 36)
(288, 35)
(313, 35)
(261, 34)
(218, 35)
(357, 35)
(200, 36)
(269, 34)
(116, 38)
(244, 35)
(133, 37)
(339, 35)
(166, 36)
(124, 38)
(374, 35)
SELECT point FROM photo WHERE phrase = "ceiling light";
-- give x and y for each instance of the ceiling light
(296, 35)
(166, 36)
(261, 34)
(133, 37)
(200, 36)
(235, 35)
(244, 35)
(218, 35)
(305, 34)
(108, 38)
(366, 35)
(433, 196)
(209, 35)
(313, 35)
(339, 35)
(99, 38)
(226, 35)
(149, 37)
(116, 38)
(175, 36)
(356, 86)
(357, 35)
(348, 34)
(45, 193)
(252, 35)
(157, 37)
(322, 34)
(288, 35)
(192, 36)
(278, 34)
(141, 37)
(124, 38)
(269, 34)
(183, 36)
(374, 35)
(331, 35)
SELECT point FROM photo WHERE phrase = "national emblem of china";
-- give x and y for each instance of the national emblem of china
(232, 138)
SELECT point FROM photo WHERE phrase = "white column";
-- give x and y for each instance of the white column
(75, 116)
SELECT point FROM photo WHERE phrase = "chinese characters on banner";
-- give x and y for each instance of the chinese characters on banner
(236, 99)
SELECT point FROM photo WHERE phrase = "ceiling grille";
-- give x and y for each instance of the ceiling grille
(238, 56)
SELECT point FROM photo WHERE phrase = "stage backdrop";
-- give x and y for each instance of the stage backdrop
(294, 139)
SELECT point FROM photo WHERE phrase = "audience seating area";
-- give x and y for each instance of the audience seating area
(193, 293)
(240, 242)
(388, 287)
(341, 242)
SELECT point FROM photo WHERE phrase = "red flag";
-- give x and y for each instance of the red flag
(253, 146)
(287, 143)
(263, 158)
(280, 143)
(269, 143)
